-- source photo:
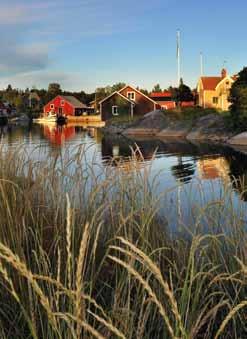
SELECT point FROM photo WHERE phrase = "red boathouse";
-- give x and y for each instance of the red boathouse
(64, 106)
(163, 99)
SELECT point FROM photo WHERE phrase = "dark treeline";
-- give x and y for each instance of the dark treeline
(32, 100)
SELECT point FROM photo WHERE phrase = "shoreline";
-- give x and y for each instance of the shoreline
(210, 128)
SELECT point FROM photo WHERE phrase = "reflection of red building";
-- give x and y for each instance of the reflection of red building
(58, 134)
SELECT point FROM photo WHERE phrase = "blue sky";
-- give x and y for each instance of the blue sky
(84, 44)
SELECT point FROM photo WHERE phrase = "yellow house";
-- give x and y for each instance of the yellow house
(213, 92)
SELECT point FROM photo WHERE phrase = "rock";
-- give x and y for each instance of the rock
(239, 139)
(150, 124)
(211, 127)
(112, 129)
(141, 131)
(175, 130)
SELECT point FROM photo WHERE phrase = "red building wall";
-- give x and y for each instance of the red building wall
(187, 104)
(66, 109)
(143, 104)
(166, 104)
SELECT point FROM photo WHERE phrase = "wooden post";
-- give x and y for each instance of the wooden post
(132, 111)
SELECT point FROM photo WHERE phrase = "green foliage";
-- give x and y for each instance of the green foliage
(181, 93)
(184, 93)
(190, 113)
(157, 88)
(238, 99)
(20, 99)
(117, 86)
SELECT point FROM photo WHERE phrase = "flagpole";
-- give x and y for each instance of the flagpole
(201, 63)
(178, 56)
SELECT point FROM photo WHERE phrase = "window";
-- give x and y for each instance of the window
(215, 100)
(114, 110)
(62, 102)
(131, 96)
(51, 106)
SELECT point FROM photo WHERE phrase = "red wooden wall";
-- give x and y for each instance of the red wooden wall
(67, 108)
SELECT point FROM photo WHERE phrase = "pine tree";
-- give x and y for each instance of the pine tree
(238, 99)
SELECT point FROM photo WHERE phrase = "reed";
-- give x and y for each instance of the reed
(90, 251)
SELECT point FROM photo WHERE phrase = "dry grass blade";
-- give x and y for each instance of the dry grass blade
(243, 266)
(79, 307)
(7, 255)
(108, 325)
(68, 241)
(230, 315)
(68, 317)
(147, 287)
(157, 273)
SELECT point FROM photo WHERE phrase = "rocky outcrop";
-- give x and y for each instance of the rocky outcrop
(115, 129)
(239, 139)
(178, 129)
(211, 127)
(150, 124)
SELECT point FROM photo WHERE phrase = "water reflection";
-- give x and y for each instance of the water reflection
(181, 162)
(214, 168)
(58, 134)
(183, 172)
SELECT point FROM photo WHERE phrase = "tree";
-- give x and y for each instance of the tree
(174, 94)
(19, 103)
(157, 88)
(9, 88)
(54, 88)
(238, 99)
(144, 91)
(117, 86)
(184, 92)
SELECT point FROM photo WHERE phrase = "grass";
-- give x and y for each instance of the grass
(190, 113)
(123, 119)
(86, 255)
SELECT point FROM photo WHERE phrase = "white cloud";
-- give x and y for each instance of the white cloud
(15, 58)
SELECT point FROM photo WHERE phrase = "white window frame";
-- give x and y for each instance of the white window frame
(113, 110)
(52, 106)
(62, 102)
(129, 95)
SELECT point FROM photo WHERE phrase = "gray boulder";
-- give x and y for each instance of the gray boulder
(239, 139)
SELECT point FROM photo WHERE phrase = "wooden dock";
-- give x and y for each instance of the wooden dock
(94, 120)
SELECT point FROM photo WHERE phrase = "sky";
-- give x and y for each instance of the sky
(85, 44)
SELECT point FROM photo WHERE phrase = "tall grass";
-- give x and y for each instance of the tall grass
(84, 253)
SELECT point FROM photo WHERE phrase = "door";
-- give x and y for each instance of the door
(60, 111)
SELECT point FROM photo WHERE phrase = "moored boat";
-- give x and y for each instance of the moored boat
(53, 118)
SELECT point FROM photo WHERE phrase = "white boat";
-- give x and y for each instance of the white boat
(51, 117)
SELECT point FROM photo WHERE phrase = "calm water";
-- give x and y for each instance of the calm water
(203, 172)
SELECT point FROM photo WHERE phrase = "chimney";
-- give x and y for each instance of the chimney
(223, 73)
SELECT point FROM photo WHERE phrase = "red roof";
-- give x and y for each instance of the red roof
(210, 83)
(165, 94)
